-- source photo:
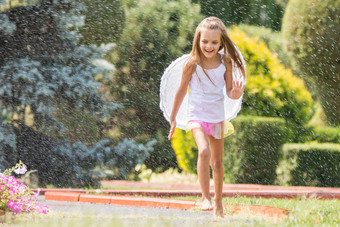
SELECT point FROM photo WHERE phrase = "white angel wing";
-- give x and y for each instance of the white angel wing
(233, 106)
(170, 82)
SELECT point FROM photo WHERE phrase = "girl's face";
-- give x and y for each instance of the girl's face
(210, 42)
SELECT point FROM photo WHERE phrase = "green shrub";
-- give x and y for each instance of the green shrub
(311, 33)
(273, 40)
(310, 164)
(326, 135)
(319, 134)
(252, 153)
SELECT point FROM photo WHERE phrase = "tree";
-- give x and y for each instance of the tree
(43, 66)
(282, 3)
(311, 32)
(104, 21)
(256, 12)
(156, 33)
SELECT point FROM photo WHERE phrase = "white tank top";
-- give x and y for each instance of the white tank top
(206, 98)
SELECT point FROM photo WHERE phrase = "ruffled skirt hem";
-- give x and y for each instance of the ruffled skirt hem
(217, 130)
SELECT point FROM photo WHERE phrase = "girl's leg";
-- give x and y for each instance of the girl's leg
(216, 147)
(203, 166)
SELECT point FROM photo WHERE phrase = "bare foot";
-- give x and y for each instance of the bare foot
(206, 205)
(218, 210)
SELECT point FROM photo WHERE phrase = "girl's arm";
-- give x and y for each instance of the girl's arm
(180, 94)
(234, 88)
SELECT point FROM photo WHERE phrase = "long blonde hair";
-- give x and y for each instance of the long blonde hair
(214, 23)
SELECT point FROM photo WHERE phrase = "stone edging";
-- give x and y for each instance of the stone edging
(273, 212)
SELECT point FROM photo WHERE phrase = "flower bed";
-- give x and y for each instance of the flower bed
(16, 197)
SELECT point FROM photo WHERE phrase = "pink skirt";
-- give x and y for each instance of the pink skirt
(217, 130)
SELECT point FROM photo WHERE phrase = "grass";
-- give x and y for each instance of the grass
(303, 212)
(63, 219)
(79, 219)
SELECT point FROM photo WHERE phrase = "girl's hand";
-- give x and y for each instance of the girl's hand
(237, 89)
(172, 129)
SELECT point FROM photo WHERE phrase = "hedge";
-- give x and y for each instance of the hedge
(310, 164)
(252, 153)
(326, 134)
(318, 134)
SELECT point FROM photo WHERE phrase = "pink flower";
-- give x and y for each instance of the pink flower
(22, 188)
(11, 180)
(10, 204)
(17, 208)
(40, 209)
(21, 170)
(13, 191)
(28, 208)
(36, 194)
(44, 209)
(17, 196)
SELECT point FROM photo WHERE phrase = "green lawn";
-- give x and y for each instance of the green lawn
(303, 212)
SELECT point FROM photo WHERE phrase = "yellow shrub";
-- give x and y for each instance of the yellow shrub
(185, 149)
(272, 90)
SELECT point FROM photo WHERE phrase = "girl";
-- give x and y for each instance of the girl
(206, 72)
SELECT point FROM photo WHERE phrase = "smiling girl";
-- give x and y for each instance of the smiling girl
(207, 72)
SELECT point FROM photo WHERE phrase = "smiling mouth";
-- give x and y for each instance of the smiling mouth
(209, 51)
